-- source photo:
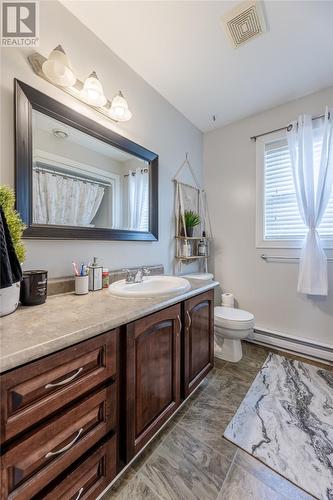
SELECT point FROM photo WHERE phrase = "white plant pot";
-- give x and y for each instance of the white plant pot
(9, 298)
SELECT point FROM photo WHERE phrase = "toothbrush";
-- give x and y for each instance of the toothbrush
(82, 269)
(75, 268)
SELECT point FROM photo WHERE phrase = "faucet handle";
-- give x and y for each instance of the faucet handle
(145, 271)
(129, 275)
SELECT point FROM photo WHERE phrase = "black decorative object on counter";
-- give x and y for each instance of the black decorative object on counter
(33, 288)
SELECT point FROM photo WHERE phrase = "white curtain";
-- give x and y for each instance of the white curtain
(64, 201)
(313, 185)
(138, 199)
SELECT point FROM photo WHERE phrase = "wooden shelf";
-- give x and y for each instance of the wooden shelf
(192, 238)
(192, 257)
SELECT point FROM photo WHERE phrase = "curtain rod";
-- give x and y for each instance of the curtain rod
(70, 176)
(143, 171)
(255, 137)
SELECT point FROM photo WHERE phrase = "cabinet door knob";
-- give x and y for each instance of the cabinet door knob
(180, 325)
(189, 320)
(65, 448)
(66, 381)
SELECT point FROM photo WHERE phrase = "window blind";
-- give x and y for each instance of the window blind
(282, 220)
(144, 221)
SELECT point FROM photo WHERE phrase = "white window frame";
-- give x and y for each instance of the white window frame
(260, 199)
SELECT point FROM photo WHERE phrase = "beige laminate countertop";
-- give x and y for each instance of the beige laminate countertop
(66, 319)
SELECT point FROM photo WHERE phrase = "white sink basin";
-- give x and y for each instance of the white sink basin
(151, 286)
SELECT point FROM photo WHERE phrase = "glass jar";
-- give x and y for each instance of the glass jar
(105, 278)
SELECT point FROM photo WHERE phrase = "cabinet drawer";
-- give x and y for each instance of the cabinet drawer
(89, 478)
(33, 463)
(33, 392)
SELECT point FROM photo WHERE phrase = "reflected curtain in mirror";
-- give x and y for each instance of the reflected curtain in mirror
(138, 199)
(64, 201)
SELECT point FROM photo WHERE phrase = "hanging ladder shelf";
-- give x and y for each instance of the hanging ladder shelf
(198, 204)
(193, 257)
(192, 238)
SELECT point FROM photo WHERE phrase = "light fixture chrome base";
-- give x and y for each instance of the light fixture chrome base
(36, 61)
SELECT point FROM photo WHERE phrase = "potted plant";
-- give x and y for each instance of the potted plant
(9, 296)
(192, 219)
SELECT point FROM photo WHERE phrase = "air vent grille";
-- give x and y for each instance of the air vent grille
(244, 22)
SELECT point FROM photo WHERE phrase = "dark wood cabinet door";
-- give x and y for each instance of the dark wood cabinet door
(198, 314)
(152, 375)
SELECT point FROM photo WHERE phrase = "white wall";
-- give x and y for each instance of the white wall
(155, 125)
(266, 289)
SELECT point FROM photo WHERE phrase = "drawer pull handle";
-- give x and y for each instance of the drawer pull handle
(180, 325)
(66, 381)
(79, 493)
(189, 320)
(65, 448)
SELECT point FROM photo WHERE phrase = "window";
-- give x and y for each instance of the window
(144, 221)
(279, 223)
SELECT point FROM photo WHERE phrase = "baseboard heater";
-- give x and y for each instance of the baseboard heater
(297, 345)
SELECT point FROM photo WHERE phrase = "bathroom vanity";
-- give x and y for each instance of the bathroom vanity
(87, 381)
(81, 396)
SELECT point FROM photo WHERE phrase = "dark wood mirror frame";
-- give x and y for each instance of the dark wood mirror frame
(27, 99)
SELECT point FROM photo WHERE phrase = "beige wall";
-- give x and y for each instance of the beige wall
(267, 290)
(155, 124)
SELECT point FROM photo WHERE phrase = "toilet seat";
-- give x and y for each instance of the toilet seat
(234, 319)
(199, 276)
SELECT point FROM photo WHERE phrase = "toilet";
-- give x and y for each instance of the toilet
(230, 327)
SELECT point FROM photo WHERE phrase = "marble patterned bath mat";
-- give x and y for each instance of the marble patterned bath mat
(286, 421)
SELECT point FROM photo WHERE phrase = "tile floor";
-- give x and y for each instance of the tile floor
(190, 459)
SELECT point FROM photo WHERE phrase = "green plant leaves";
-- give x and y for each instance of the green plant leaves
(14, 221)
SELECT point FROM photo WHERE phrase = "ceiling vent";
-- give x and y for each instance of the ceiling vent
(244, 22)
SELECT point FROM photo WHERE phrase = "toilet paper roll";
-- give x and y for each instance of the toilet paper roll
(228, 300)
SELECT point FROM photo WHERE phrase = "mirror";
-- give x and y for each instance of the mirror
(84, 181)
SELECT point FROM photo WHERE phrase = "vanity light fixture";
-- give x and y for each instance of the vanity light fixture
(92, 92)
(119, 108)
(57, 68)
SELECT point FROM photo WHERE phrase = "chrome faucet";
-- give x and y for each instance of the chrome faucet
(137, 275)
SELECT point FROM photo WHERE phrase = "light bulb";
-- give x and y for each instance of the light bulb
(57, 68)
(92, 92)
(119, 108)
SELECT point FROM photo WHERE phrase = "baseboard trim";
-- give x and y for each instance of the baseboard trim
(297, 345)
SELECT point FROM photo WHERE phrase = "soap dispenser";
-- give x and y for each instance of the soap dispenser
(95, 276)
(202, 246)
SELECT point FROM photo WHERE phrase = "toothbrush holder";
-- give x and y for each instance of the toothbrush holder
(81, 285)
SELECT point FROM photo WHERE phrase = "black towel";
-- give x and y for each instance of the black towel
(10, 271)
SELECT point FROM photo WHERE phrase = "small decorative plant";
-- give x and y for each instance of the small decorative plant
(192, 219)
(14, 221)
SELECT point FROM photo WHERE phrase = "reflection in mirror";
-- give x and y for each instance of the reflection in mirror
(81, 181)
